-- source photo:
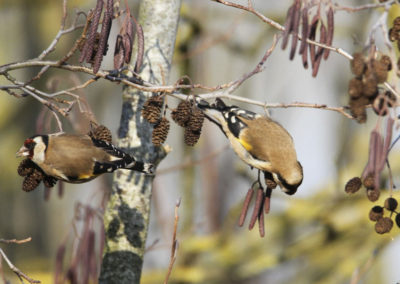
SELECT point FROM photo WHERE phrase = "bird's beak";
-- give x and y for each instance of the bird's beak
(23, 152)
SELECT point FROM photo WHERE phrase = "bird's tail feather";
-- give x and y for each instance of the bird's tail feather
(131, 164)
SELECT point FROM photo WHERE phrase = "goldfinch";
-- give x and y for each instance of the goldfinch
(77, 158)
(259, 141)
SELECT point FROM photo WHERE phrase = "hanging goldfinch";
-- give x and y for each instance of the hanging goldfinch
(77, 158)
(259, 141)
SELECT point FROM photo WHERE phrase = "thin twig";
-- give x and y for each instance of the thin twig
(15, 241)
(19, 273)
(174, 246)
(280, 27)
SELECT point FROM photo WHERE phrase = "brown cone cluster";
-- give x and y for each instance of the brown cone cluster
(182, 112)
(160, 132)
(100, 132)
(33, 176)
(363, 88)
(384, 224)
(190, 117)
(394, 32)
(152, 109)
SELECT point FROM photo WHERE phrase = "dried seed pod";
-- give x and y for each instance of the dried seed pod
(390, 204)
(373, 194)
(392, 34)
(376, 213)
(386, 61)
(357, 108)
(380, 106)
(160, 132)
(30, 183)
(396, 23)
(151, 110)
(390, 98)
(355, 88)
(191, 137)
(353, 185)
(397, 219)
(370, 86)
(181, 114)
(304, 30)
(357, 65)
(49, 181)
(380, 70)
(196, 119)
(383, 225)
(270, 183)
(330, 31)
(101, 133)
(26, 167)
(369, 181)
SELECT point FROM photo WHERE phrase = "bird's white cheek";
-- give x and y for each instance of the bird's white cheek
(38, 158)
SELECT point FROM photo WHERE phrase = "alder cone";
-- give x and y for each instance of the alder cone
(196, 119)
(353, 185)
(49, 181)
(376, 213)
(26, 167)
(191, 136)
(101, 133)
(181, 114)
(357, 64)
(373, 194)
(160, 132)
(383, 225)
(390, 204)
(357, 108)
(380, 70)
(387, 62)
(152, 109)
(30, 183)
(355, 88)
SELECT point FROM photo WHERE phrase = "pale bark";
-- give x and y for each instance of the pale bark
(126, 218)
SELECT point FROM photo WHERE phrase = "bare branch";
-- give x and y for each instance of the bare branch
(174, 246)
(15, 241)
(19, 273)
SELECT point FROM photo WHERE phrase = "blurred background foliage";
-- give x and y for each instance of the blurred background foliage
(320, 235)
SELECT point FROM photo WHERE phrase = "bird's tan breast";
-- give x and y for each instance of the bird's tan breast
(72, 155)
(270, 142)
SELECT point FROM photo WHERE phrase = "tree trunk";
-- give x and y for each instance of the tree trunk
(127, 213)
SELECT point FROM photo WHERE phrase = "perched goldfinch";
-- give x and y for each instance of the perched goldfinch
(77, 158)
(259, 141)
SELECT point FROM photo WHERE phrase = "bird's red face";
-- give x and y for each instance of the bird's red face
(27, 149)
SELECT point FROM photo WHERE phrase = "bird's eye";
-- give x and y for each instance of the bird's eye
(29, 144)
